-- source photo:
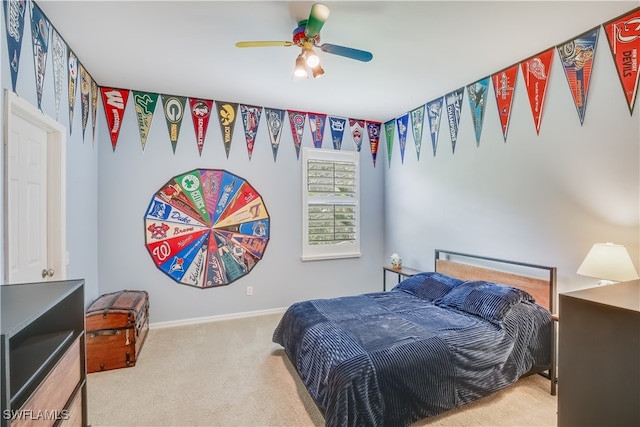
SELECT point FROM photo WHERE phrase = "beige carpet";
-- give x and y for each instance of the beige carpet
(229, 373)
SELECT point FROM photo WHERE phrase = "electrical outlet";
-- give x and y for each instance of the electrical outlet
(249, 290)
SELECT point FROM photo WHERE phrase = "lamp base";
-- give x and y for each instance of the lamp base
(604, 282)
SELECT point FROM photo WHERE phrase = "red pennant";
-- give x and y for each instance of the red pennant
(200, 113)
(504, 85)
(535, 71)
(623, 35)
(114, 102)
(163, 250)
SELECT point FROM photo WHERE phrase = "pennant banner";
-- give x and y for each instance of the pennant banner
(94, 106)
(434, 111)
(227, 112)
(40, 28)
(14, 11)
(453, 101)
(478, 101)
(417, 121)
(504, 85)
(275, 120)
(250, 121)
(211, 188)
(336, 124)
(535, 71)
(200, 115)
(85, 89)
(623, 35)
(373, 131)
(357, 132)
(72, 68)
(316, 124)
(173, 107)
(403, 128)
(145, 105)
(58, 54)
(577, 60)
(114, 102)
(296, 120)
(389, 133)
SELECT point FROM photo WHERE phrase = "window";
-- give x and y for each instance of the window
(330, 198)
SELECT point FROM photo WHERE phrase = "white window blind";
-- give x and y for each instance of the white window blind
(330, 194)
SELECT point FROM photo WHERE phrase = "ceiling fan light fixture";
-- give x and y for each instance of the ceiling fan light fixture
(307, 37)
(300, 69)
(313, 60)
(317, 71)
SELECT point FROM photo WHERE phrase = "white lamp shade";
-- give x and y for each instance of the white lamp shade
(610, 262)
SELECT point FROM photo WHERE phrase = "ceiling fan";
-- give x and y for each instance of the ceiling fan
(307, 36)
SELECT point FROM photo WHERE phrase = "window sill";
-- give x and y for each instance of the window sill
(328, 256)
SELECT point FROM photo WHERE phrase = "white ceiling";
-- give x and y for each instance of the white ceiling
(421, 49)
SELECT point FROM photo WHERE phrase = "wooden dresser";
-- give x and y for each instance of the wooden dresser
(599, 356)
(43, 354)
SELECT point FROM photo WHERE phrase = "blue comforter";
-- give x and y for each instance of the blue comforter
(391, 358)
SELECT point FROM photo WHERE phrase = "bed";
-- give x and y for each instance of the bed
(436, 341)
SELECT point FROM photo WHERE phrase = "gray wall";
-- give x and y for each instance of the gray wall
(81, 158)
(129, 177)
(539, 199)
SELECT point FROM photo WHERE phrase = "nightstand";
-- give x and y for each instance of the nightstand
(402, 272)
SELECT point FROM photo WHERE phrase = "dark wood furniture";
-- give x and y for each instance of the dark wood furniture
(402, 272)
(43, 354)
(117, 324)
(599, 356)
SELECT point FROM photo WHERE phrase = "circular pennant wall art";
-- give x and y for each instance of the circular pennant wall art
(206, 228)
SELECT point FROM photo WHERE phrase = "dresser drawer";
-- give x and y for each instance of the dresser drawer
(73, 414)
(46, 404)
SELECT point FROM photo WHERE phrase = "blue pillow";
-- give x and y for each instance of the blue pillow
(491, 301)
(428, 285)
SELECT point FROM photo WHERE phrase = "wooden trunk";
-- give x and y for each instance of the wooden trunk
(117, 324)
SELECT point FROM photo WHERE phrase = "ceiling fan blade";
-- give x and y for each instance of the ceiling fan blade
(349, 52)
(264, 44)
(317, 17)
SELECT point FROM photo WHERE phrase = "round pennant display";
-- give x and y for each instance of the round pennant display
(206, 228)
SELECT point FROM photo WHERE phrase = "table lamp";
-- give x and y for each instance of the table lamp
(608, 262)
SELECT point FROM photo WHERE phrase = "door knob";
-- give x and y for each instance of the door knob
(48, 272)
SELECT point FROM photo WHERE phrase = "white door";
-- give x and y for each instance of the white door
(34, 245)
(27, 201)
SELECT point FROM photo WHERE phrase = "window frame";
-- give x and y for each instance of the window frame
(329, 251)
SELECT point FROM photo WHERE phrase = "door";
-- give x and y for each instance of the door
(34, 195)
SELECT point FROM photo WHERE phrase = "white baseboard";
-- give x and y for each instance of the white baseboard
(217, 318)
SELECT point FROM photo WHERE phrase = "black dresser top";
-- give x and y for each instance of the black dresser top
(23, 303)
(625, 295)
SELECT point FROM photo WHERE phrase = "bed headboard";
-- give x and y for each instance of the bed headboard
(465, 266)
